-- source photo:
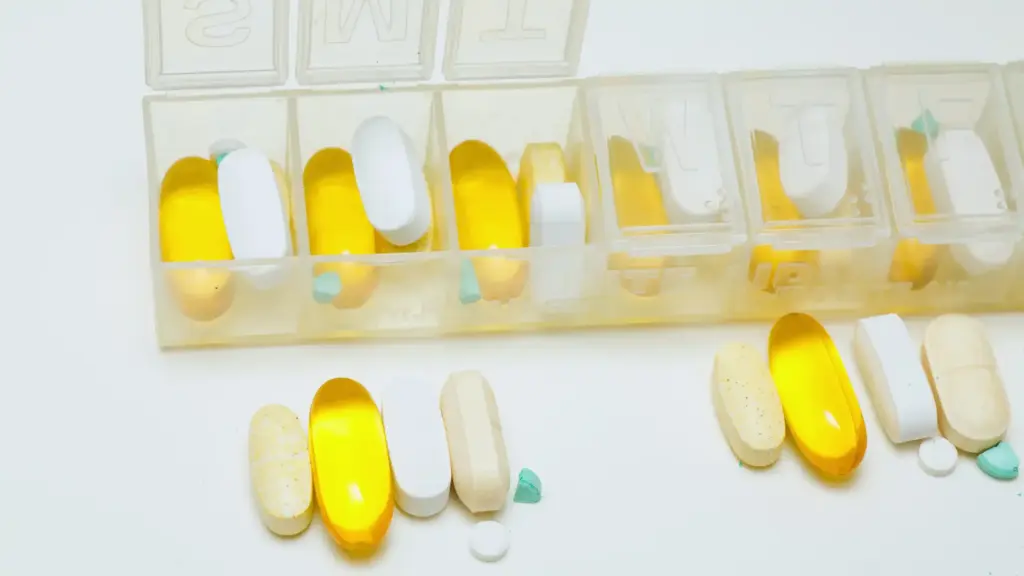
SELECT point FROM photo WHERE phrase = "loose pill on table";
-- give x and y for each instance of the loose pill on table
(822, 411)
(891, 369)
(813, 161)
(1000, 462)
(418, 447)
(255, 217)
(541, 163)
(528, 488)
(747, 405)
(489, 541)
(280, 471)
(974, 412)
(937, 456)
(480, 469)
(391, 181)
(351, 468)
(487, 217)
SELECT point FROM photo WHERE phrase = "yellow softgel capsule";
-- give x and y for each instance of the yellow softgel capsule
(913, 261)
(351, 469)
(192, 230)
(338, 225)
(487, 217)
(542, 163)
(638, 203)
(821, 409)
(775, 205)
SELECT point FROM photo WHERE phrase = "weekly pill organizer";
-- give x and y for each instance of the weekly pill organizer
(552, 202)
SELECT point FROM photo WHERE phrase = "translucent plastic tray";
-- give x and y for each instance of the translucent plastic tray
(707, 198)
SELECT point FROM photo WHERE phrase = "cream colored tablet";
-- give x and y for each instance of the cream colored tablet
(279, 468)
(973, 410)
(418, 447)
(480, 468)
(747, 405)
(813, 162)
(892, 372)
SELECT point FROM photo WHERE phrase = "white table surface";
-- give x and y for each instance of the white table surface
(116, 458)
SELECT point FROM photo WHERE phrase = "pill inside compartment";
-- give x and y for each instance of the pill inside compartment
(812, 190)
(216, 280)
(521, 193)
(376, 229)
(953, 171)
(671, 207)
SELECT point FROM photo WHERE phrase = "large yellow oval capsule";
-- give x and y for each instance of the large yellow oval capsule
(191, 230)
(775, 205)
(913, 261)
(487, 216)
(338, 225)
(351, 469)
(638, 203)
(822, 412)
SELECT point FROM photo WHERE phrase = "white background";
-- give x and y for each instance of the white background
(116, 458)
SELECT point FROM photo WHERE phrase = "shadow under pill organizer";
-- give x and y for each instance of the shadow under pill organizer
(425, 210)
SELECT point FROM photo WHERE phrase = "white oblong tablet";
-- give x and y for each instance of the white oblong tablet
(418, 447)
(489, 541)
(937, 456)
(692, 177)
(279, 468)
(391, 181)
(964, 182)
(747, 405)
(974, 412)
(254, 214)
(890, 367)
(476, 446)
(557, 220)
(813, 162)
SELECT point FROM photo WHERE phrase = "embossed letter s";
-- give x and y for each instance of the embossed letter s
(341, 24)
(203, 29)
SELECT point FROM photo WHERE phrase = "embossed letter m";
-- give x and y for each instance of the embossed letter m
(343, 16)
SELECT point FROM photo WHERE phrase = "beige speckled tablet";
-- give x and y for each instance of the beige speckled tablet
(480, 468)
(747, 405)
(282, 480)
(973, 410)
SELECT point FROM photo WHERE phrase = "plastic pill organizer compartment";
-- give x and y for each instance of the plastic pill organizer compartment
(423, 210)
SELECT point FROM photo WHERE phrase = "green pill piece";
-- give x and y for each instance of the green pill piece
(999, 462)
(326, 286)
(926, 124)
(528, 488)
(469, 287)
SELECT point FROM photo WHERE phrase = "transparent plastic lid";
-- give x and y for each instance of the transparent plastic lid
(950, 154)
(366, 40)
(215, 43)
(514, 38)
(806, 159)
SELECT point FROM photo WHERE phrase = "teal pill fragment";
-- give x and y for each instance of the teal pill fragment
(926, 124)
(469, 288)
(999, 462)
(220, 157)
(529, 487)
(326, 286)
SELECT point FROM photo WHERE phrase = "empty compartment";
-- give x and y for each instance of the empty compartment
(524, 195)
(374, 203)
(818, 224)
(954, 177)
(221, 218)
(672, 216)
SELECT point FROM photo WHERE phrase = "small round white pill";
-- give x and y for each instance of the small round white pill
(937, 456)
(489, 541)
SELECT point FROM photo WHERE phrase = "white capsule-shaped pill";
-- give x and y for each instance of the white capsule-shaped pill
(891, 369)
(813, 161)
(391, 181)
(480, 470)
(418, 447)
(279, 469)
(692, 185)
(964, 182)
(974, 412)
(255, 216)
(557, 220)
(747, 405)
